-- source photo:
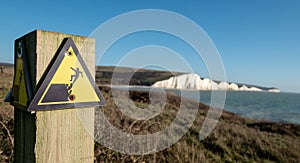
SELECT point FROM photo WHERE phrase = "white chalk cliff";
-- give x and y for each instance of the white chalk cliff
(193, 81)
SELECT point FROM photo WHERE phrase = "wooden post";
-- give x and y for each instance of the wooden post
(53, 136)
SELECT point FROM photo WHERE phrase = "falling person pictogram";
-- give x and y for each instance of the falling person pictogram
(73, 79)
(76, 75)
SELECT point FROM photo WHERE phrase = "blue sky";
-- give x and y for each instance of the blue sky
(257, 40)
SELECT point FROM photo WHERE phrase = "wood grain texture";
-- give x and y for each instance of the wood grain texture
(60, 135)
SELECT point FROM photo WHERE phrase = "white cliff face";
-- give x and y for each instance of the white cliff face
(255, 89)
(274, 90)
(233, 87)
(193, 81)
(188, 81)
(224, 86)
(244, 88)
(206, 84)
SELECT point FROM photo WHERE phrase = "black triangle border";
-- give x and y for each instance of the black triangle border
(67, 42)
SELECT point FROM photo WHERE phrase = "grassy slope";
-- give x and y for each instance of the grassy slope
(6, 116)
(140, 77)
(234, 139)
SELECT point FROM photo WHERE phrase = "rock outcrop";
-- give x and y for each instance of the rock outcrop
(193, 81)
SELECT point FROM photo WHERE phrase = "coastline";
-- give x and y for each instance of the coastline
(235, 138)
(253, 105)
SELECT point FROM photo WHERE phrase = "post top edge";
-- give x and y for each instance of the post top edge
(38, 32)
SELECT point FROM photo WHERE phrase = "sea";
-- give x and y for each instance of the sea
(277, 107)
(268, 106)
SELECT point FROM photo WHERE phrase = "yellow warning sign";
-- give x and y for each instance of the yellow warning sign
(68, 84)
(21, 92)
(19, 88)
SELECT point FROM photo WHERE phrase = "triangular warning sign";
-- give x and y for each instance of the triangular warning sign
(21, 94)
(68, 83)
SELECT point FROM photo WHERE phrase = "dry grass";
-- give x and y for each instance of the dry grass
(6, 117)
(235, 139)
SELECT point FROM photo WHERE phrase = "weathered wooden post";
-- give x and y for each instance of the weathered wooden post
(50, 135)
